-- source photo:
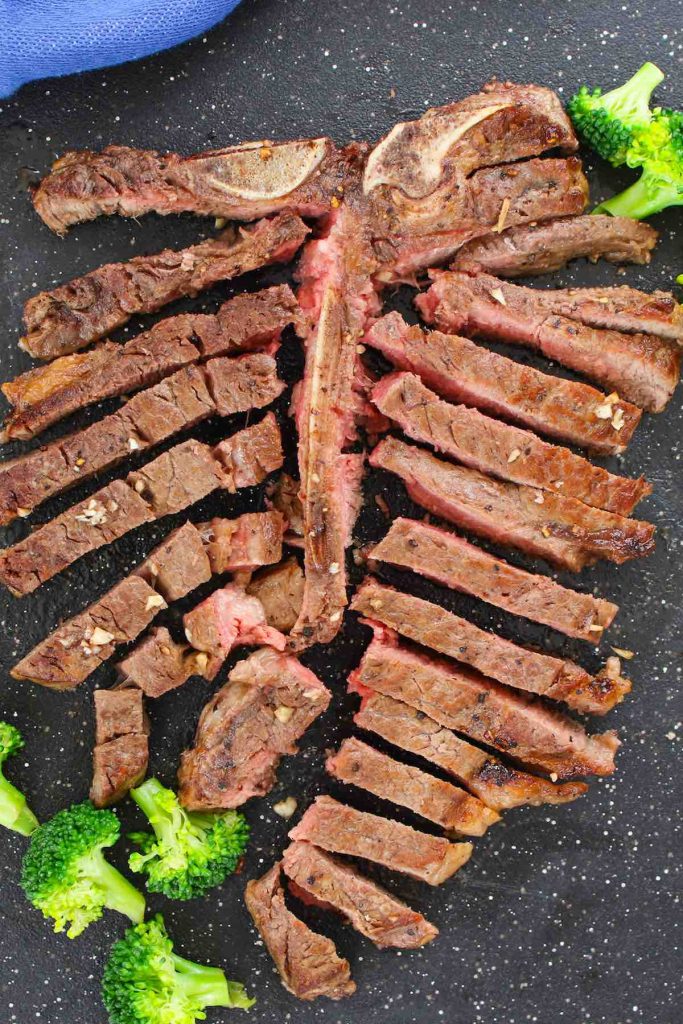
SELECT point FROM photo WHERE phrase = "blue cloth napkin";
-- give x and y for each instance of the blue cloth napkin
(41, 38)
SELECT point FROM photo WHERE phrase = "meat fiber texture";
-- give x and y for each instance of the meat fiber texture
(121, 753)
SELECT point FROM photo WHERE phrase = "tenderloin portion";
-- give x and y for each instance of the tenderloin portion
(308, 963)
(317, 877)
(339, 828)
(121, 752)
(257, 717)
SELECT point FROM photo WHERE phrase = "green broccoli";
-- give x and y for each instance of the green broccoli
(607, 123)
(66, 876)
(190, 852)
(14, 811)
(145, 982)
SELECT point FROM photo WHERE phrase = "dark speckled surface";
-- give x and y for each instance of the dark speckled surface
(565, 914)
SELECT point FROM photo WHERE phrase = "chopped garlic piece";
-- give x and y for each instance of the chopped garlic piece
(624, 653)
(503, 215)
(497, 294)
(283, 713)
(334, 568)
(514, 455)
(539, 499)
(154, 601)
(100, 637)
(285, 808)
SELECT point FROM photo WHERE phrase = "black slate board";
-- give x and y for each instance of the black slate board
(563, 914)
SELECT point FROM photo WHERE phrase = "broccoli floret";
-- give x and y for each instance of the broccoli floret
(190, 852)
(145, 982)
(66, 876)
(607, 123)
(14, 811)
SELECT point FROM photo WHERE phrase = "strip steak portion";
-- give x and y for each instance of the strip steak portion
(121, 753)
(70, 317)
(360, 765)
(339, 828)
(454, 562)
(561, 530)
(620, 308)
(307, 962)
(524, 669)
(548, 246)
(500, 786)
(506, 720)
(465, 372)
(331, 883)
(265, 707)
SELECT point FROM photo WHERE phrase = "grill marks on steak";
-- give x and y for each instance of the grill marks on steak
(169, 484)
(329, 882)
(561, 530)
(533, 671)
(642, 368)
(465, 372)
(339, 828)
(70, 317)
(511, 722)
(241, 182)
(307, 962)
(48, 393)
(360, 765)
(541, 248)
(267, 704)
(454, 562)
(121, 753)
(508, 452)
(498, 785)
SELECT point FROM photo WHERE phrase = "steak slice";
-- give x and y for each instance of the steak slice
(548, 246)
(265, 707)
(228, 618)
(121, 752)
(240, 182)
(511, 722)
(159, 663)
(465, 372)
(339, 828)
(243, 544)
(46, 394)
(315, 876)
(307, 962)
(507, 452)
(178, 565)
(360, 765)
(118, 713)
(561, 530)
(620, 308)
(250, 455)
(500, 786)
(524, 669)
(247, 382)
(281, 592)
(454, 562)
(90, 307)
(642, 368)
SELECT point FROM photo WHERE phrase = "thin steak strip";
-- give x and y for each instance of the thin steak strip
(507, 452)
(432, 626)
(360, 765)
(169, 484)
(454, 562)
(339, 828)
(561, 530)
(122, 748)
(90, 307)
(462, 371)
(548, 246)
(500, 786)
(317, 877)
(511, 722)
(619, 308)
(643, 368)
(308, 963)
(47, 394)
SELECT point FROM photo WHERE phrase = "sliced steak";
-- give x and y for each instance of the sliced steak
(507, 452)
(281, 592)
(308, 963)
(240, 182)
(339, 828)
(265, 707)
(509, 721)
(121, 751)
(454, 562)
(243, 544)
(247, 382)
(561, 530)
(620, 308)
(118, 713)
(550, 245)
(524, 669)
(159, 663)
(177, 479)
(250, 455)
(48, 393)
(178, 565)
(642, 368)
(360, 765)
(465, 372)
(227, 619)
(498, 785)
(90, 307)
(331, 883)
(284, 494)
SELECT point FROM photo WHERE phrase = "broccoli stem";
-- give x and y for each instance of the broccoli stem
(208, 985)
(642, 84)
(640, 200)
(14, 811)
(146, 797)
(119, 894)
